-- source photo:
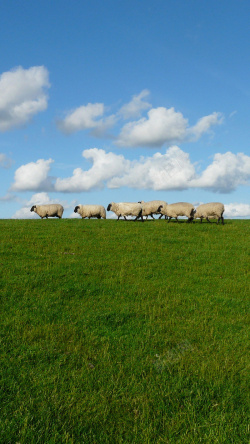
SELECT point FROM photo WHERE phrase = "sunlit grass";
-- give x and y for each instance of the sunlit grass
(123, 332)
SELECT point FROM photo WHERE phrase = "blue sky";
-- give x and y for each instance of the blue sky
(124, 101)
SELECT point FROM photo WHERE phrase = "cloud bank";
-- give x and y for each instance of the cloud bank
(172, 170)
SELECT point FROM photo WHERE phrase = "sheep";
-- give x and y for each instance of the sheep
(211, 210)
(91, 211)
(178, 209)
(151, 207)
(52, 210)
(126, 209)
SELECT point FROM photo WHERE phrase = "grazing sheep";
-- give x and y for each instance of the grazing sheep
(212, 210)
(91, 211)
(178, 209)
(151, 207)
(52, 210)
(126, 209)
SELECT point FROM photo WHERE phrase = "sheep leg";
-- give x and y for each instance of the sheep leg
(161, 216)
(152, 216)
(119, 217)
(177, 219)
(169, 219)
(124, 217)
(208, 220)
(201, 219)
(222, 220)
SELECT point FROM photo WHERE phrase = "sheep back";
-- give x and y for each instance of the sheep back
(51, 210)
(178, 209)
(91, 211)
(125, 208)
(152, 207)
(210, 210)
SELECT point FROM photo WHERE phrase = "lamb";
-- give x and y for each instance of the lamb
(52, 210)
(126, 209)
(210, 210)
(151, 207)
(91, 211)
(178, 209)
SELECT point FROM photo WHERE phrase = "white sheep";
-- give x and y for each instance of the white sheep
(178, 209)
(91, 211)
(52, 210)
(151, 207)
(123, 209)
(212, 210)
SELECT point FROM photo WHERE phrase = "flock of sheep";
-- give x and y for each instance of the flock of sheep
(213, 210)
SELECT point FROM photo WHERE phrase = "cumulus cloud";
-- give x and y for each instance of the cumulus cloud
(33, 176)
(225, 173)
(82, 118)
(237, 210)
(134, 108)
(164, 126)
(169, 171)
(5, 162)
(105, 166)
(172, 170)
(161, 126)
(22, 95)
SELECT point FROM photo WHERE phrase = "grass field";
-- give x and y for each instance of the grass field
(123, 332)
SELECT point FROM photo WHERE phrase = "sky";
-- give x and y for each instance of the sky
(124, 100)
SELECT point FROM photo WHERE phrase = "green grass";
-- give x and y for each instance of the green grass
(122, 332)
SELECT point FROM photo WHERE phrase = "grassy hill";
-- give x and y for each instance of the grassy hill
(123, 332)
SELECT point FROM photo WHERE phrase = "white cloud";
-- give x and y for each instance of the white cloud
(164, 126)
(169, 171)
(33, 176)
(5, 162)
(22, 95)
(105, 166)
(81, 118)
(226, 173)
(133, 109)
(204, 124)
(161, 126)
(172, 170)
(237, 210)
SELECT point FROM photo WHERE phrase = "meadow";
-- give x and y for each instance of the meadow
(123, 332)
